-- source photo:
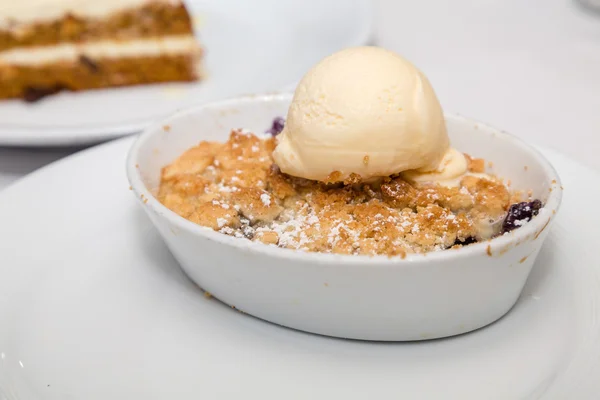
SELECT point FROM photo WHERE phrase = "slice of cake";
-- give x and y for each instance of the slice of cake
(51, 45)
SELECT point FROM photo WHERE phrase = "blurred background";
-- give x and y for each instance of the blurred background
(531, 68)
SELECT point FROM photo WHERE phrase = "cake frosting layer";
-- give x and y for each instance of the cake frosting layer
(16, 12)
(31, 56)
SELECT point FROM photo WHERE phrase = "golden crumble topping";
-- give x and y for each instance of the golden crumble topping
(236, 189)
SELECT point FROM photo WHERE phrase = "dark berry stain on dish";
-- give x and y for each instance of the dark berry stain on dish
(33, 93)
(277, 126)
(520, 213)
(89, 64)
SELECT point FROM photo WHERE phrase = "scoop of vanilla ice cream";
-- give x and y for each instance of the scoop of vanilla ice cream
(363, 110)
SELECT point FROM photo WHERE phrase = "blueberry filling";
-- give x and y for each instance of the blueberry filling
(467, 241)
(520, 213)
(277, 126)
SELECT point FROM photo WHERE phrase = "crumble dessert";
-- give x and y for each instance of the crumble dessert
(362, 165)
(51, 45)
(236, 188)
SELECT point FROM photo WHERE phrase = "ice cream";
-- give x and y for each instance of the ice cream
(449, 171)
(365, 111)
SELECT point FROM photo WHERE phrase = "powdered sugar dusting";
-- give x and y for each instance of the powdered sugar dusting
(221, 222)
(266, 199)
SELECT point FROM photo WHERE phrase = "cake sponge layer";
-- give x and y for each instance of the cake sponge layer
(156, 18)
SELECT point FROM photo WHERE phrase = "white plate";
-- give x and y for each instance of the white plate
(252, 47)
(93, 306)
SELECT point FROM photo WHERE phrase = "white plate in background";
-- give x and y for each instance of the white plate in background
(93, 306)
(251, 47)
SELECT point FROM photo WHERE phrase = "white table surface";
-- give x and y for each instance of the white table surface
(529, 67)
